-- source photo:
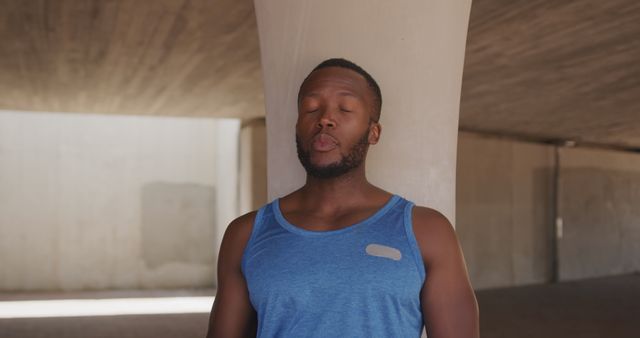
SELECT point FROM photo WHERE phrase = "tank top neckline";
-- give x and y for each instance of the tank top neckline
(300, 231)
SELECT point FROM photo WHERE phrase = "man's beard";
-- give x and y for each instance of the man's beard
(354, 159)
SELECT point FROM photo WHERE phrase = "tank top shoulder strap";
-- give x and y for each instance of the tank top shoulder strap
(407, 212)
(258, 224)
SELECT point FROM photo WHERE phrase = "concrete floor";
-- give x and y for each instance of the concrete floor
(606, 307)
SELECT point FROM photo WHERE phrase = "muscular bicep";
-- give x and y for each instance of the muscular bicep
(232, 314)
(448, 302)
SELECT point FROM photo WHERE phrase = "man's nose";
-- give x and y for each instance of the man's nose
(326, 119)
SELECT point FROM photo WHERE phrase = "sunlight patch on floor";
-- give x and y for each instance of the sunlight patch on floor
(104, 307)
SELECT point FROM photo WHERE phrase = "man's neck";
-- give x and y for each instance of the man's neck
(335, 193)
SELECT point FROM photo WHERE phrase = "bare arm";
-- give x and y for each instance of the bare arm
(232, 315)
(449, 305)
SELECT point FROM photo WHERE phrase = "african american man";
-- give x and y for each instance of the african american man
(340, 257)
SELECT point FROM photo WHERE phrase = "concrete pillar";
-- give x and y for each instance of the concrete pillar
(253, 165)
(414, 49)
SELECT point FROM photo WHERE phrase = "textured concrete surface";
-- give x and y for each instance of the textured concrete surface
(505, 201)
(130, 326)
(252, 175)
(178, 223)
(599, 201)
(156, 326)
(504, 194)
(537, 68)
(554, 70)
(597, 308)
(101, 202)
(161, 57)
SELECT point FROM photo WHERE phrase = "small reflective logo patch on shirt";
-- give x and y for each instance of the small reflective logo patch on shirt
(380, 250)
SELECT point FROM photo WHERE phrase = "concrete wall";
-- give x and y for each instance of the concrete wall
(253, 165)
(505, 204)
(504, 210)
(599, 204)
(96, 202)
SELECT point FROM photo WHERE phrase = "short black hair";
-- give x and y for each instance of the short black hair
(344, 63)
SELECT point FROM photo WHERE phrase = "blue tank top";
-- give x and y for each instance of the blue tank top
(360, 281)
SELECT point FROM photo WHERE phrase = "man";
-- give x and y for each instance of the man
(341, 257)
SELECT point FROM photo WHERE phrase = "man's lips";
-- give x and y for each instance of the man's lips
(324, 142)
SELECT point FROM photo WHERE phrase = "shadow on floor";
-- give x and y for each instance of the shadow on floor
(596, 308)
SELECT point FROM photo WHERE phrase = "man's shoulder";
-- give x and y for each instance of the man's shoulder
(239, 230)
(429, 217)
(242, 226)
(433, 231)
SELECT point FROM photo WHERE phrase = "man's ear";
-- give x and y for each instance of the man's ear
(374, 132)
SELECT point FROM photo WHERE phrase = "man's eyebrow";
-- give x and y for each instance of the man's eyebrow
(310, 94)
(348, 93)
(340, 93)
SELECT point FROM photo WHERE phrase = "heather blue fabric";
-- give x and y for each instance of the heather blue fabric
(324, 284)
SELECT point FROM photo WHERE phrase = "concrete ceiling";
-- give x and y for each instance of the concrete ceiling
(554, 70)
(537, 69)
(149, 57)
